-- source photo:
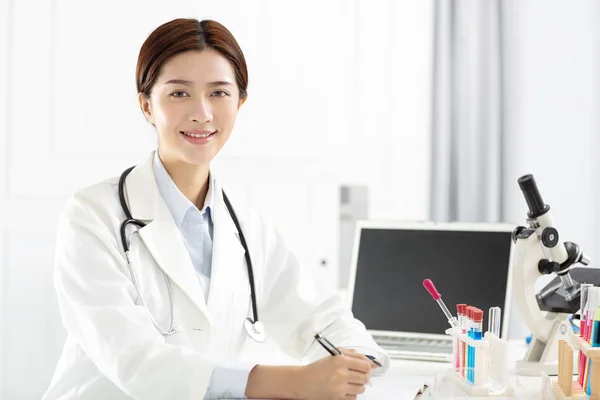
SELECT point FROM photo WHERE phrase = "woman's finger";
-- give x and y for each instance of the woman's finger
(355, 354)
(358, 364)
(356, 389)
(358, 378)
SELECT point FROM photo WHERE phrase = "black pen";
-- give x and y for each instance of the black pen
(327, 345)
(334, 351)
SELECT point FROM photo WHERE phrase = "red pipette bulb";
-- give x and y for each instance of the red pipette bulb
(430, 287)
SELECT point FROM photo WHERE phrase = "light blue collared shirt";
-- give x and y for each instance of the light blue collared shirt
(196, 227)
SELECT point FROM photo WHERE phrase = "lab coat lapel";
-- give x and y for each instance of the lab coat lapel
(228, 265)
(161, 235)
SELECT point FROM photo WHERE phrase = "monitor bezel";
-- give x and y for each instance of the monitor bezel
(432, 226)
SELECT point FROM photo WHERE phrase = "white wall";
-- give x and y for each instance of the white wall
(551, 114)
(4, 39)
(551, 109)
(339, 93)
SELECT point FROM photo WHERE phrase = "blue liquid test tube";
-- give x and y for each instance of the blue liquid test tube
(469, 347)
(477, 335)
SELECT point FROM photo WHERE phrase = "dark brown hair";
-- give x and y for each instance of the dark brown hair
(180, 35)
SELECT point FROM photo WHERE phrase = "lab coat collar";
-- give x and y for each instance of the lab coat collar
(142, 192)
(161, 235)
(165, 243)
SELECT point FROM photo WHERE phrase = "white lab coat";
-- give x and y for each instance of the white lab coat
(114, 352)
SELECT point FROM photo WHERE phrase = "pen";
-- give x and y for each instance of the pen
(327, 345)
(373, 360)
(334, 351)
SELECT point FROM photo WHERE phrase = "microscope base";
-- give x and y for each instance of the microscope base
(529, 368)
(543, 357)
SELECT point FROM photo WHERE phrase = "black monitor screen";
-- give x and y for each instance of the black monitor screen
(466, 267)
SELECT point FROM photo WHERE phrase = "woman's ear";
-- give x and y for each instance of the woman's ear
(146, 107)
(242, 101)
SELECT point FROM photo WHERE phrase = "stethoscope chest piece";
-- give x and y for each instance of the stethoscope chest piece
(256, 330)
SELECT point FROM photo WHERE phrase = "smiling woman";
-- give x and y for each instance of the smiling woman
(165, 312)
(191, 79)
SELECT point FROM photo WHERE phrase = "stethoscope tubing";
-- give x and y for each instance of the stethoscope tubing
(130, 220)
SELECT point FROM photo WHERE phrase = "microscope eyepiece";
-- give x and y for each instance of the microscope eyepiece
(532, 195)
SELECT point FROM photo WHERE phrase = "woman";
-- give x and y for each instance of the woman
(172, 317)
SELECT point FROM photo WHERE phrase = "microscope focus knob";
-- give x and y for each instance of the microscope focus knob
(547, 267)
(550, 237)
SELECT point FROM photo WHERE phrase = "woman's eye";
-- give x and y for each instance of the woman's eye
(220, 93)
(179, 93)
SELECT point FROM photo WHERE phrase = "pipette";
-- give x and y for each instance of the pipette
(430, 287)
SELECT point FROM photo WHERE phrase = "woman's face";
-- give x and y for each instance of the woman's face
(193, 105)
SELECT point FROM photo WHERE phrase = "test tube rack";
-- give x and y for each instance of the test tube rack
(565, 388)
(490, 365)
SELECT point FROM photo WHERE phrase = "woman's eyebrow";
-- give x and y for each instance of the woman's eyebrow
(190, 83)
(220, 83)
(179, 82)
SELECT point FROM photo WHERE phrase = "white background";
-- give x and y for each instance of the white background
(340, 93)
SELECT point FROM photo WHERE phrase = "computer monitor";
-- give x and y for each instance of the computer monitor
(468, 262)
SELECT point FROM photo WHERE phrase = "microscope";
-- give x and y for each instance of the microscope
(538, 250)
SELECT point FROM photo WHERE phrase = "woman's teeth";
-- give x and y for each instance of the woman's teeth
(197, 135)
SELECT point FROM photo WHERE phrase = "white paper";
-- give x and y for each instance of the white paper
(392, 386)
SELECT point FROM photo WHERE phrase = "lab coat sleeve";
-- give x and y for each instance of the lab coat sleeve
(96, 300)
(229, 381)
(296, 311)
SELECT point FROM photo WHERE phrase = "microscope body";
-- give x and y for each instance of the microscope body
(538, 250)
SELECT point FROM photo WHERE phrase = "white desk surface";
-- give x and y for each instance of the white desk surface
(418, 371)
(406, 376)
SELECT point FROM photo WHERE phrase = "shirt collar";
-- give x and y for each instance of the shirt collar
(177, 203)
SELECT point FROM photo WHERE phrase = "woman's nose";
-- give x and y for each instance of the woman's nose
(202, 112)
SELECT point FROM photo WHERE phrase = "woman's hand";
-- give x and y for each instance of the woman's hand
(337, 377)
(330, 378)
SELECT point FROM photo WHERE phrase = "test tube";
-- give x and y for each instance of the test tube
(470, 321)
(459, 314)
(583, 316)
(477, 323)
(494, 321)
(469, 347)
(463, 322)
(583, 298)
(592, 303)
(591, 333)
(477, 334)
(594, 316)
(463, 345)
(458, 342)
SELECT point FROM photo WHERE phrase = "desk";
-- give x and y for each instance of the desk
(392, 384)
(420, 371)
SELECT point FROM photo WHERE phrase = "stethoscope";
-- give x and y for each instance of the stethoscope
(253, 327)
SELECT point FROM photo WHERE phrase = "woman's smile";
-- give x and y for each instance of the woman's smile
(198, 136)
